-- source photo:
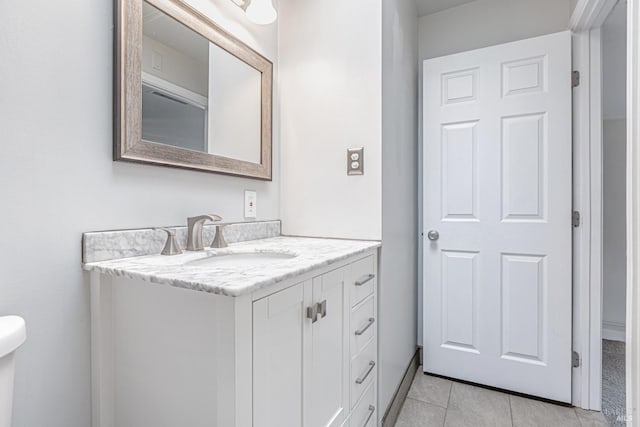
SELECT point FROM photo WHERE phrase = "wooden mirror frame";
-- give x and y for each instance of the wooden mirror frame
(128, 143)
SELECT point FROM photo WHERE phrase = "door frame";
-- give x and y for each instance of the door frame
(633, 210)
(587, 237)
(587, 18)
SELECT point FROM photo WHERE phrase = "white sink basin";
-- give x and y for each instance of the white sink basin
(243, 259)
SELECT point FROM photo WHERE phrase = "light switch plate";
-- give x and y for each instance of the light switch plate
(250, 204)
(355, 161)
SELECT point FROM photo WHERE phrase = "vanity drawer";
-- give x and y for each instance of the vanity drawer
(363, 325)
(363, 371)
(365, 413)
(363, 279)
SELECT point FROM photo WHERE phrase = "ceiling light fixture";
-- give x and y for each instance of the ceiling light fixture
(259, 12)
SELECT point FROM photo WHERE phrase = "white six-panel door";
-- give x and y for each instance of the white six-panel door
(497, 189)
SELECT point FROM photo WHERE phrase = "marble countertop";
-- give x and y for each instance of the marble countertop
(307, 254)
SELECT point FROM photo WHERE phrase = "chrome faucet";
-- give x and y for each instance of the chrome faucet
(194, 230)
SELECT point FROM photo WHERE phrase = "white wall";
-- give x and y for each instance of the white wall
(57, 180)
(398, 266)
(475, 25)
(330, 56)
(235, 90)
(614, 240)
(177, 68)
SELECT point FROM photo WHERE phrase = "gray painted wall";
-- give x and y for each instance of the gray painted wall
(485, 23)
(614, 63)
(614, 222)
(57, 180)
(398, 266)
(614, 71)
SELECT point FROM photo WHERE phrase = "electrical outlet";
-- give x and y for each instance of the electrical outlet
(250, 204)
(355, 161)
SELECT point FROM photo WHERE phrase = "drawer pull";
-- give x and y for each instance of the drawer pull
(366, 374)
(372, 409)
(322, 308)
(365, 279)
(317, 309)
(312, 313)
(363, 330)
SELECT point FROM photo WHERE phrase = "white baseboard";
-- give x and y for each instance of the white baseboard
(613, 331)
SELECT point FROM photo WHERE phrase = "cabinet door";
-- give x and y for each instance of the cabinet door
(326, 354)
(277, 358)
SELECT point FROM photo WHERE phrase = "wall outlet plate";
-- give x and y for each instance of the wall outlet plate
(250, 204)
(355, 161)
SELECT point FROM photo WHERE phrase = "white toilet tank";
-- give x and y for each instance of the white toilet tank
(12, 335)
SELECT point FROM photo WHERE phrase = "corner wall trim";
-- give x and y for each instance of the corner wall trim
(590, 14)
(391, 414)
(633, 212)
(587, 239)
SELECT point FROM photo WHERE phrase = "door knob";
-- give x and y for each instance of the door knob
(433, 235)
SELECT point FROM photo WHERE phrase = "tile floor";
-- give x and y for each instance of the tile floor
(435, 401)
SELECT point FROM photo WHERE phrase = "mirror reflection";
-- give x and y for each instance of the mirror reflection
(196, 95)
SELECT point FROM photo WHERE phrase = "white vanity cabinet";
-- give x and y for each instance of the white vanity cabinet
(318, 336)
(299, 353)
(299, 343)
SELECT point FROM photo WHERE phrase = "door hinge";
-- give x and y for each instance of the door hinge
(575, 78)
(575, 359)
(575, 219)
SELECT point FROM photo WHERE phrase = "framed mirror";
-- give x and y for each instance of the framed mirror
(189, 94)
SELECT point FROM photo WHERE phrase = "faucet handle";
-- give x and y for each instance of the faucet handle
(171, 247)
(219, 241)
